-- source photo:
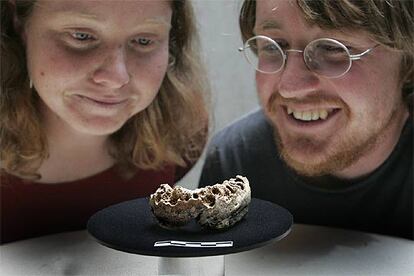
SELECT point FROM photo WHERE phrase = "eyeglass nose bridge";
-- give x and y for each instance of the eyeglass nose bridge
(285, 57)
(294, 50)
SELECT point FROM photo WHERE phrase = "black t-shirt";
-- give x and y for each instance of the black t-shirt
(380, 203)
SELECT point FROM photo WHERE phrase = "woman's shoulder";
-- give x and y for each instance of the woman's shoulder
(114, 175)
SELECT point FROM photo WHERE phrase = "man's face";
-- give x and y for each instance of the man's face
(350, 117)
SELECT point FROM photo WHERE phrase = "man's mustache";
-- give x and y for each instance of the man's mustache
(314, 99)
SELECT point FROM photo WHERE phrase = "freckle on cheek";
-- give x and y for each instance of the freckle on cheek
(42, 73)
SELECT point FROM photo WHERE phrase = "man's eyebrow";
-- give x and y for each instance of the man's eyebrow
(267, 25)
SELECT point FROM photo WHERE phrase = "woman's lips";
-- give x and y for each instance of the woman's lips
(103, 101)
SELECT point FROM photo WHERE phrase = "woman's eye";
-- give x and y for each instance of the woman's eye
(145, 44)
(142, 42)
(79, 40)
(82, 36)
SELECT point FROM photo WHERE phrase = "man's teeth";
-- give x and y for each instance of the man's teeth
(311, 115)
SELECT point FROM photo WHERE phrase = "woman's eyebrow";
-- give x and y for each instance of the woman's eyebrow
(94, 17)
(157, 21)
(83, 15)
(68, 17)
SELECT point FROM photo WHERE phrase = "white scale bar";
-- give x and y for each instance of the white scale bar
(194, 244)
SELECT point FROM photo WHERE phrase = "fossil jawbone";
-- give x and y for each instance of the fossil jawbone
(219, 206)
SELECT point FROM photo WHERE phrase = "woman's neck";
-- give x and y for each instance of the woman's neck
(72, 155)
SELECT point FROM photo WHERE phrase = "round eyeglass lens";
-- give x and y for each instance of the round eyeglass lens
(264, 54)
(327, 57)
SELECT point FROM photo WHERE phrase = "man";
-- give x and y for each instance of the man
(333, 139)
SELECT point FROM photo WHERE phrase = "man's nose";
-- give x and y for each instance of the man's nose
(113, 71)
(296, 80)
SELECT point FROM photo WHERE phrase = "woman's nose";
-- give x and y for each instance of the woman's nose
(113, 72)
(296, 80)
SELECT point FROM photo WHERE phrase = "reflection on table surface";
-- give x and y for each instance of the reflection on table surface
(307, 250)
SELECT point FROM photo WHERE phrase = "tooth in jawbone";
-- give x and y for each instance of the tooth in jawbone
(289, 110)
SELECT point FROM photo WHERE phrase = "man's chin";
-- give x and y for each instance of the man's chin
(313, 158)
(311, 162)
(308, 167)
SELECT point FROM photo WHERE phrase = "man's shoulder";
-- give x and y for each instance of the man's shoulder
(244, 147)
(247, 129)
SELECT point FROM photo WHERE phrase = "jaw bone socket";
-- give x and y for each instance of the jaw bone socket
(218, 207)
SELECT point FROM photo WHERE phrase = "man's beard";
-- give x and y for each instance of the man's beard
(327, 158)
(344, 155)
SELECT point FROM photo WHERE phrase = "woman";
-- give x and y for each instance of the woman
(101, 102)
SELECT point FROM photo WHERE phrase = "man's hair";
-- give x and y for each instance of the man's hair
(389, 22)
(172, 130)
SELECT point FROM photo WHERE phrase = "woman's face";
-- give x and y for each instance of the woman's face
(97, 63)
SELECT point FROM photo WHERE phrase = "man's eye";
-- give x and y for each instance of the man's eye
(350, 49)
(331, 48)
(282, 44)
(269, 47)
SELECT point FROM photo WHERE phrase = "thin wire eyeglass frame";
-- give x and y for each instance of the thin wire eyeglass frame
(284, 53)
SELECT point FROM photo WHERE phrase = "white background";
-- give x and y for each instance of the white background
(231, 79)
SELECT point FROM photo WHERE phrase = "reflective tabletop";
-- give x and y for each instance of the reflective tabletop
(307, 250)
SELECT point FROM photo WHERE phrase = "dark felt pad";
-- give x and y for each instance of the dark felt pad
(131, 227)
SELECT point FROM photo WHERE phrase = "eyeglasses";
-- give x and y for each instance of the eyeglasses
(325, 56)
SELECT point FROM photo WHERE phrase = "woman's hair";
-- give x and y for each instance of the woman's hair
(388, 22)
(172, 130)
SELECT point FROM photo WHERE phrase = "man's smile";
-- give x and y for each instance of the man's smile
(309, 115)
(315, 121)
